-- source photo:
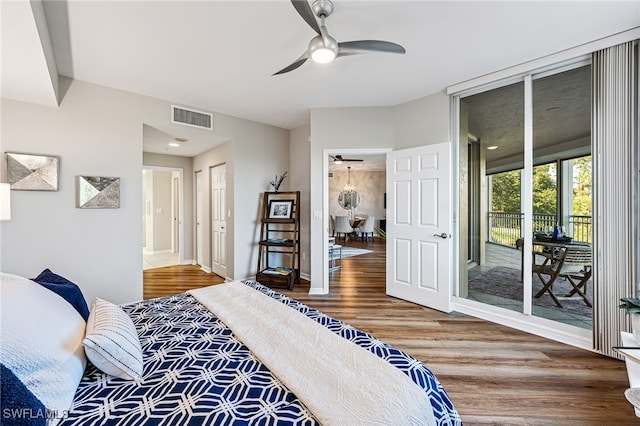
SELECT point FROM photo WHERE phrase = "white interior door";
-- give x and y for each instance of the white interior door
(218, 220)
(175, 209)
(419, 223)
(199, 239)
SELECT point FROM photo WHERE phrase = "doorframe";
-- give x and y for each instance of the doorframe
(180, 172)
(325, 200)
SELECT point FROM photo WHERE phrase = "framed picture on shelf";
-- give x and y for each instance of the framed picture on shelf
(280, 209)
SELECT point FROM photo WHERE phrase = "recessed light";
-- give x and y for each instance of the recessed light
(181, 139)
(174, 144)
(492, 147)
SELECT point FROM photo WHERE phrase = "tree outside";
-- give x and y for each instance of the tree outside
(506, 212)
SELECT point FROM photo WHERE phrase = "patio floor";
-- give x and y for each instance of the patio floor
(501, 256)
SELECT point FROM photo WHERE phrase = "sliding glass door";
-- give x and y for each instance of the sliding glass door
(548, 178)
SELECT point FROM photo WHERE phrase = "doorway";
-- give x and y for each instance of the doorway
(368, 178)
(162, 217)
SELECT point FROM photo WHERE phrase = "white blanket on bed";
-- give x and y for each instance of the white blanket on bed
(338, 381)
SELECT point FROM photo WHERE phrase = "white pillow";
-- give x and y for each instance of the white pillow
(112, 342)
(41, 337)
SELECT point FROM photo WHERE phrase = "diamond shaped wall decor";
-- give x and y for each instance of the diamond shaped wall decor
(31, 172)
(98, 192)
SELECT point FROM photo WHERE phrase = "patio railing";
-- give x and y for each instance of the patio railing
(506, 228)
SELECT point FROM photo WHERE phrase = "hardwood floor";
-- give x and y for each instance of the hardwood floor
(493, 374)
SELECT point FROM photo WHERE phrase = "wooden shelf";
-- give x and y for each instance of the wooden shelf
(286, 253)
(277, 220)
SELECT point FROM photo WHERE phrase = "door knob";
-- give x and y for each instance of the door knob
(444, 235)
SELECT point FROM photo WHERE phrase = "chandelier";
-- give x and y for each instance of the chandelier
(348, 187)
(349, 197)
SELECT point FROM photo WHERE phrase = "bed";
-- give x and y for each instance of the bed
(244, 364)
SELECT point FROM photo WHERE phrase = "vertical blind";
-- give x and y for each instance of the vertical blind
(612, 97)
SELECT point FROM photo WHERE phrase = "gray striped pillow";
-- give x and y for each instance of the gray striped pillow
(111, 341)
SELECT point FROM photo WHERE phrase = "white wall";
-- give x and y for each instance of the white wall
(424, 121)
(339, 128)
(255, 154)
(299, 178)
(161, 210)
(96, 132)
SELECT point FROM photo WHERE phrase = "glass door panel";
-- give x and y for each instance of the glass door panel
(561, 198)
(491, 160)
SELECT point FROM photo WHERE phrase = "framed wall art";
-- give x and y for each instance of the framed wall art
(280, 209)
(32, 172)
(97, 192)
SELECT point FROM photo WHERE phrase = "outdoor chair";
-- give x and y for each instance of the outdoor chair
(572, 262)
(576, 268)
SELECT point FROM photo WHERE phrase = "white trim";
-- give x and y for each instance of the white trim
(454, 110)
(527, 188)
(539, 326)
(550, 60)
(205, 269)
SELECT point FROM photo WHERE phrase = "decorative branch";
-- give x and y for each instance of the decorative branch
(277, 181)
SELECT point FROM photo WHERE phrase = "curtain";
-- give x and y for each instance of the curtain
(613, 95)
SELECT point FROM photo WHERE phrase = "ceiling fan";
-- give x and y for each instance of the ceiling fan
(323, 48)
(339, 160)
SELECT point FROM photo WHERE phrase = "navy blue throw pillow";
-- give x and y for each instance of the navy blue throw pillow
(64, 288)
(19, 405)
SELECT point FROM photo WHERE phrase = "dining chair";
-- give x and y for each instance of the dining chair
(343, 227)
(366, 228)
(572, 262)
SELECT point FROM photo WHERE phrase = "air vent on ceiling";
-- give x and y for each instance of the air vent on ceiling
(190, 117)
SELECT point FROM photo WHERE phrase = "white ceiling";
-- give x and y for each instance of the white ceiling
(218, 56)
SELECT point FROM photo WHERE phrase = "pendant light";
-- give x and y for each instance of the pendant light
(349, 198)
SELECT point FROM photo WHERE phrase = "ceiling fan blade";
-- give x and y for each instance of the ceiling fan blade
(351, 159)
(304, 10)
(348, 48)
(295, 65)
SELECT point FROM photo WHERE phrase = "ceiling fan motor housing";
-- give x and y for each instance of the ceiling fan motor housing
(322, 8)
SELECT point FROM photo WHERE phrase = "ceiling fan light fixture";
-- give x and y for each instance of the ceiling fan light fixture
(320, 53)
(337, 161)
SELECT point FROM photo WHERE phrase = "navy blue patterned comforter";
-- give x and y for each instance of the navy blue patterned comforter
(197, 372)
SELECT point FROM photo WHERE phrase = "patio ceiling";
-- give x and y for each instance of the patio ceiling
(561, 119)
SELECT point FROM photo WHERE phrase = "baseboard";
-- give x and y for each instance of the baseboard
(553, 330)
(188, 262)
(317, 291)
(205, 269)
(149, 252)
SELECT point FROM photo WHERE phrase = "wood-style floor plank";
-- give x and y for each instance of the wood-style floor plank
(493, 374)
